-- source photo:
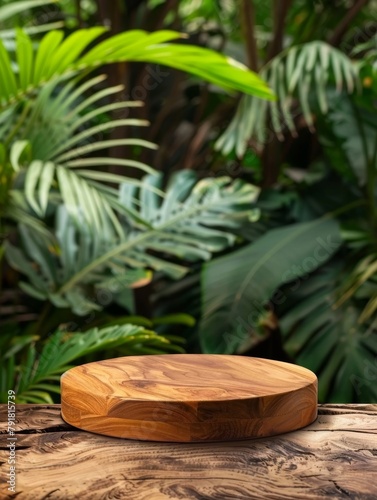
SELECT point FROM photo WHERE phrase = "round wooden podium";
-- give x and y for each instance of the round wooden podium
(189, 397)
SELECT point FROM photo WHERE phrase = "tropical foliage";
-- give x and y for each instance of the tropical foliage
(313, 293)
(82, 236)
(327, 316)
(39, 375)
(104, 250)
(192, 221)
(238, 286)
(300, 76)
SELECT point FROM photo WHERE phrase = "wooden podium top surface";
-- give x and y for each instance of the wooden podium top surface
(189, 397)
(189, 377)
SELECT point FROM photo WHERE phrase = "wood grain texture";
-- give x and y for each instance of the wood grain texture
(335, 457)
(189, 397)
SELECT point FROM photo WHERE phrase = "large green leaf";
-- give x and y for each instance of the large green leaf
(190, 223)
(57, 122)
(58, 131)
(56, 57)
(237, 287)
(329, 339)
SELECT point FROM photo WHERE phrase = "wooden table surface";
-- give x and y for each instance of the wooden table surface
(335, 457)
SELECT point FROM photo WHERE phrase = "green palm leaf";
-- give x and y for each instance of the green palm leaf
(58, 131)
(347, 134)
(57, 120)
(7, 11)
(56, 57)
(329, 339)
(362, 280)
(40, 374)
(190, 223)
(294, 75)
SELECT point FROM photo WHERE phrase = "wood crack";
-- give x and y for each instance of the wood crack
(358, 431)
(50, 493)
(56, 428)
(340, 489)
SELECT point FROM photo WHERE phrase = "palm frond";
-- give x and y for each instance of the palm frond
(190, 223)
(57, 121)
(56, 57)
(14, 8)
(17, 209)
(362, 281)
(58, 131)
(9, 35)
(62, 117)
(347, 134)
(40, 374)
(294, 75)
(330, 340)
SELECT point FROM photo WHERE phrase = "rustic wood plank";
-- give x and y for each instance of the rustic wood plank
(335, 456)
(189, 397)
(34, 419)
